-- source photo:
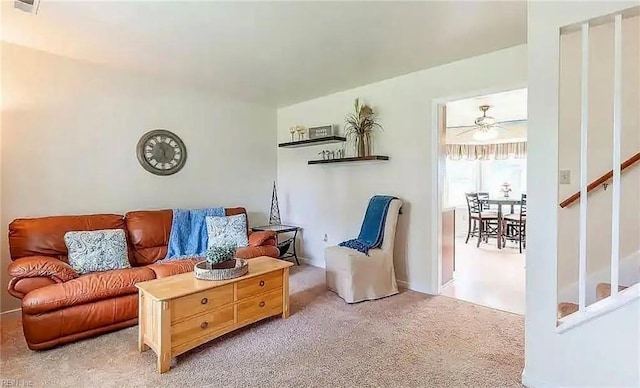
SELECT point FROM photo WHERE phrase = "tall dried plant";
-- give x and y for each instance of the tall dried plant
(359, 126)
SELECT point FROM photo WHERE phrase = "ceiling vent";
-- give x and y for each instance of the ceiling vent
(30, 6)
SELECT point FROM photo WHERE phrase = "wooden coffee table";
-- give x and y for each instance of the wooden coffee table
(180, 312)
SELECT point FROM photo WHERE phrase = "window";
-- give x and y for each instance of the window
(461, 176)
(466, 176)
(497, 172)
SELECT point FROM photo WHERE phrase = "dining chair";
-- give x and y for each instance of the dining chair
(482, 224)
(516, 225)
(484, 197)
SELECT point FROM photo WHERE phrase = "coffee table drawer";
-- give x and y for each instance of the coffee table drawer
(261, 306)
(201, 325)
(259, 284)
(200, 302)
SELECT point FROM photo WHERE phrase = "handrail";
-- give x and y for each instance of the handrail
(600, 181)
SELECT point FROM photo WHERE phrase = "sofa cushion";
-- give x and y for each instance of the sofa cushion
(85, 289)
(149, 232)
(173, 267)
(227, 231)
(45, 236)
(251, 252)
(257, 239)
(43, 331)
(97, 250)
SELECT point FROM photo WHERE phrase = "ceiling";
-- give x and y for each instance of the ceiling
(276, 53)
(505, 107)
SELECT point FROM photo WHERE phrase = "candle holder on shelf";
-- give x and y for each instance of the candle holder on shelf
(301, 131)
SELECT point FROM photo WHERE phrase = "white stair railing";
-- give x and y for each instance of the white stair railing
(617, 138)
(584, 158)
(583, 312)
(584, 178)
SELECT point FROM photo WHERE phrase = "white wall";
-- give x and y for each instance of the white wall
(332, 199)
(602, 352)
(600, 149)
(69, 143)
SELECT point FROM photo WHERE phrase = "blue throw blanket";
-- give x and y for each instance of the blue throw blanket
(372, 230)
(188, 238)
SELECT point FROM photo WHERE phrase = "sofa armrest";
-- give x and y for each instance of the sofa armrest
(261, 238)
(42, 266)
(19, 287)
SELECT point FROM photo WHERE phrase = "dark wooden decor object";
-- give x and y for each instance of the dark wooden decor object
(448, 244)
(311, 142)
(353, 159)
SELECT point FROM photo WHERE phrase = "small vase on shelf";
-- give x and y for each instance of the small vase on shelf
(506, 189)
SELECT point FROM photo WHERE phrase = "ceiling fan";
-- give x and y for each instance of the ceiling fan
(486, 127)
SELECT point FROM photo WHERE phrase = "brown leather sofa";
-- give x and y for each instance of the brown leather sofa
(59, 306)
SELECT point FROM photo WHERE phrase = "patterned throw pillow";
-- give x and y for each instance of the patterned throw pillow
(225, 231)
(97, 250)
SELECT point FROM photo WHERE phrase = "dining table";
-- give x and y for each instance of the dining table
(501, 202)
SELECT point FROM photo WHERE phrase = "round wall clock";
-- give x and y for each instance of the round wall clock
(161, 152)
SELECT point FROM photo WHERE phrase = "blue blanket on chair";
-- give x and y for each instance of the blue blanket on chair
(372, 230)
(188, 238)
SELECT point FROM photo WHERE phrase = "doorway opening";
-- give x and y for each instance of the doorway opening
(483, 167)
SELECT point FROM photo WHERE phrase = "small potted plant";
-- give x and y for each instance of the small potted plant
(221, 257)
(220, 263)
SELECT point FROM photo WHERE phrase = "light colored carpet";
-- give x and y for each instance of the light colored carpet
(407, 340)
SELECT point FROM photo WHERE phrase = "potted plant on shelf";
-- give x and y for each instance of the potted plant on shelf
(360, 126)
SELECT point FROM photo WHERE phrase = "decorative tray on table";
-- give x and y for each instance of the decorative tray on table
(205, 271)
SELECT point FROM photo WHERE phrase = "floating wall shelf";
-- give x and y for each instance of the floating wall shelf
(311, 142)
(355, 159)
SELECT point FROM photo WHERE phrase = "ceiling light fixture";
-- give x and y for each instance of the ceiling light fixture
(485, 120)
(485, 128)
(485, 133)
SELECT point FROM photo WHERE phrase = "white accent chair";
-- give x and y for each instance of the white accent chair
(355, 276)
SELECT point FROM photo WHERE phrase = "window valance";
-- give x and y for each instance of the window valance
(500, 151)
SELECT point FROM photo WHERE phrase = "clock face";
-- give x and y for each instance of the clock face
(161, 152)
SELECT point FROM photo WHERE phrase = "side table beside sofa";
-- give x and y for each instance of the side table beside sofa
(285, 245)
(60, 306)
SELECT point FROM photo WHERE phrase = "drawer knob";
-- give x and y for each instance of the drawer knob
(204, 324)
(261, 283)
(204, 301)
(261, 304)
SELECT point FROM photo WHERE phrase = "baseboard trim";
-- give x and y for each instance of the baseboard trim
(10, 311)
(312, 263)
(599, 308)
(413, 287)
(402, 283)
